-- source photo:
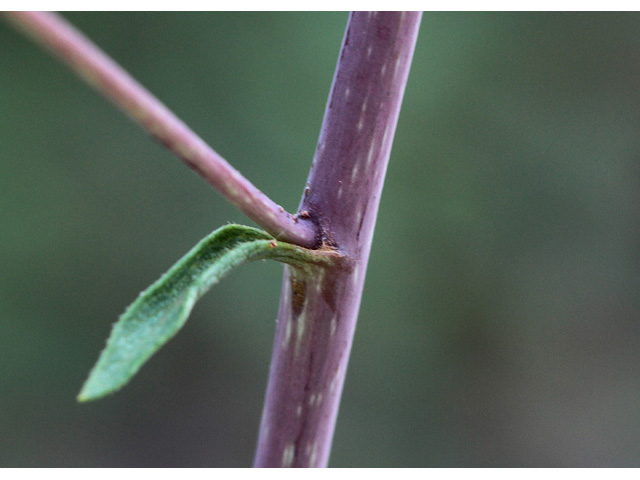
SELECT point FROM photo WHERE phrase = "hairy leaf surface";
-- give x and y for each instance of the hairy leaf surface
(162, 309)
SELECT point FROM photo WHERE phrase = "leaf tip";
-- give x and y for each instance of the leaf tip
(93, 390)
(84, 396)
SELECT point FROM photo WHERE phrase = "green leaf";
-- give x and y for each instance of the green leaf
(161, 310)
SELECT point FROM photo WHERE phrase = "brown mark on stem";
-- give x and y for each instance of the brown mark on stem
(298, 293)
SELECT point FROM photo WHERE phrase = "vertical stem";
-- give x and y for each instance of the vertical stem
(318, 311)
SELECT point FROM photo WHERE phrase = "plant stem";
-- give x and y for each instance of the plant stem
(318, 311)
(107, 77)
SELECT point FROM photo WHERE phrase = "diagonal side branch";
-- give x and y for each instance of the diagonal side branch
(108, 78)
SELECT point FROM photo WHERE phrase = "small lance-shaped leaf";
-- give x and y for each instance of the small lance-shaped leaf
(162, 309)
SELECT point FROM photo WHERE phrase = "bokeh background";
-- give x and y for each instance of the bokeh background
(500, 324)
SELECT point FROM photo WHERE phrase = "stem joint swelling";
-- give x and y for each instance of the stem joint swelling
(324, 239)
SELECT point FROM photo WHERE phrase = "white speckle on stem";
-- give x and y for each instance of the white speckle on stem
(334, 382)
(334, 325)
(233, 192)
(299, 411)
(319, 280)
(369, 50)
(288, 454)
(287, 333)
(383, 69)
(370, 154)
(301, 324)
(360, 123)
(184, 151)
(395, 68)
(364, 106)
(354, 172)
(314, 453)
(384, 136)
(347, 92)
(315, 399)
(300, 330)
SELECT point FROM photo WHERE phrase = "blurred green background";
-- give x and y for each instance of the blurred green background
(500, 324)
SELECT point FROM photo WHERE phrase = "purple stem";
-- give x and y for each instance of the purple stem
(107, 77)
(318, 311)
